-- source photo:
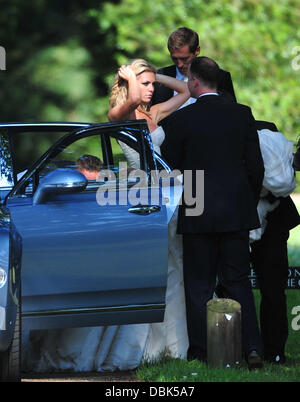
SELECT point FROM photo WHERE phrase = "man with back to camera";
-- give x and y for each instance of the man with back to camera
(220, 138)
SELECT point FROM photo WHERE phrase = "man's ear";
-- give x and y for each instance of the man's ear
(197, 83)
(197, 51)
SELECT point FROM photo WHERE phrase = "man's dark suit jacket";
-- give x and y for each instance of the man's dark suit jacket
(163, 93)
(220, 138)
(285, 216)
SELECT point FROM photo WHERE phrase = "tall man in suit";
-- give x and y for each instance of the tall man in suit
(183, 45)
(218, 137)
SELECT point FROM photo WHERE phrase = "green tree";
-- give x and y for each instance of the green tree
(55, 54)
(253, 39)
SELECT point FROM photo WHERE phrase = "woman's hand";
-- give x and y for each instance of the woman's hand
(126, 73)
(126, 110)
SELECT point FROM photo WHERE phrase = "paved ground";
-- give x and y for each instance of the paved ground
(123, 376)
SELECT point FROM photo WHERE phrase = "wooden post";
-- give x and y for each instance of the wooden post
(224, 347)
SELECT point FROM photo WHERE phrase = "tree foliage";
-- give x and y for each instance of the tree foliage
(252, 39)
(53, 55)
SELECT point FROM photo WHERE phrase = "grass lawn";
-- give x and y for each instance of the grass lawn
(176, 370)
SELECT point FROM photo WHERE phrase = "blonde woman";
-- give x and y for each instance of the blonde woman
(131, 99)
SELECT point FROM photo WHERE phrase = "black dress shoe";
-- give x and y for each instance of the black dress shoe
(254, 361)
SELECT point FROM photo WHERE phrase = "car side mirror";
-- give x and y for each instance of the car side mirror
(59, 181)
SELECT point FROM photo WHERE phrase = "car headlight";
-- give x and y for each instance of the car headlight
(3, 277)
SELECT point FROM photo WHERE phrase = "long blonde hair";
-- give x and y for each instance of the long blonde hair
(119, 89)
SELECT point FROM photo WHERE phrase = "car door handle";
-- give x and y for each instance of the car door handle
(144, 209)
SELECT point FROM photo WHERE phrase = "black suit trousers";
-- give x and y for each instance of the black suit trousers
(270, 262)
(226, 256)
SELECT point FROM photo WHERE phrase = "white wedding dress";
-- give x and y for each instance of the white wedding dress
(157, 137)
(119, 347)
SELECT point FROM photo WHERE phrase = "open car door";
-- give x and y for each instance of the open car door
(88, 262)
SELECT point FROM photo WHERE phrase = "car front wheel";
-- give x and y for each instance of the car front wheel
(10, 360)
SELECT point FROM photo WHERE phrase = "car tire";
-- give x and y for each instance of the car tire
(10, 360)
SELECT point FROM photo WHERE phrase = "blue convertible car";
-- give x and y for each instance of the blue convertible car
(75, 252)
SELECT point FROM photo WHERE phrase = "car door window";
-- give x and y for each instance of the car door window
(69, 157)
(105, 144)
(28, 146)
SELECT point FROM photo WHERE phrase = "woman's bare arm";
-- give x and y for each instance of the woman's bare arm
(162, 110)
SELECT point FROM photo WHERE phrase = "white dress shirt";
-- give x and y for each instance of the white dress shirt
(182, 77)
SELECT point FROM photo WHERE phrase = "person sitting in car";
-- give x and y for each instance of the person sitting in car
(89, 166)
